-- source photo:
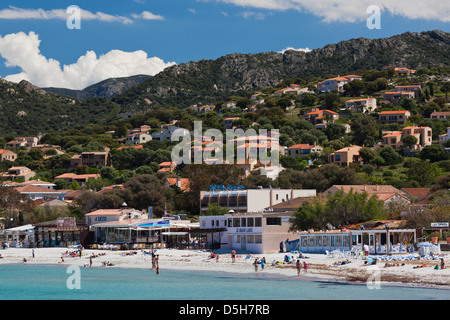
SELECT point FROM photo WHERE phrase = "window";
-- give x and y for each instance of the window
(250, 239)
(258, 238)
(276, 221)
(250, 222)
(236, 222)
(258, 222)
(338, 158)
(243, 222)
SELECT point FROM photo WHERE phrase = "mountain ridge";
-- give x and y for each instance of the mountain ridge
(208, 81)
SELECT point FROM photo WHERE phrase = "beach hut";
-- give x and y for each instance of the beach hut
(22, 236)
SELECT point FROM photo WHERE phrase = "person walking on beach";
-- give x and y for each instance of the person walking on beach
(442, 264)
(299, 267)
(305, 266)
(255, 263)
(233, 256)
(90, 262)
(217, 257)
(32, 252)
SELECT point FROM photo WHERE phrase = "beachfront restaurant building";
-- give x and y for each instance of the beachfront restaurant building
(259, 232)
(381, 237)
(65, 231)
(130, 226)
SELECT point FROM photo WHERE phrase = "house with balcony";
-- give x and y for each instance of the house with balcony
(298, 150)
(404, 72)
(138, 138)
(411, 88)
(443, 138)
(22, 173)
(394, 97)
(424, 136)
(28, 142)
(345, 156)
(398, 116)
(366, 105)
(90, 159)
(337, 83)
(242, 200)
(320, 118)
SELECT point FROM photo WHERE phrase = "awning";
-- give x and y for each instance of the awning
(174, 233)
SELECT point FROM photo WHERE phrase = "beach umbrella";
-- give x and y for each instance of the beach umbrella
(424, 244)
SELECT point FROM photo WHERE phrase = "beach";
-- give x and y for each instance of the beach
(319, 266)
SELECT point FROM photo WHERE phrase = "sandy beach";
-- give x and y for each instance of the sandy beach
(319, 266)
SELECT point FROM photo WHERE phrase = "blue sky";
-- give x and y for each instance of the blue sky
(178, 31)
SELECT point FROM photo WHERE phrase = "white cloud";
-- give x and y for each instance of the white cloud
(147, 15)
(253, 14)
(354, 10)
(13, 13)
(294, 49)
(22, 50)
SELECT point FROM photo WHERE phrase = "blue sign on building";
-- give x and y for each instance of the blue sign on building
(221, 187)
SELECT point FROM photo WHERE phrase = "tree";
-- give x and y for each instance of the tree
(424, 172)
(434, 153)
(12, 205)
(367, 154)
(409, 141)
(343, 209)
(366, 131)
(309, 99)
(390, 156)
(215, 210)
(445, 88)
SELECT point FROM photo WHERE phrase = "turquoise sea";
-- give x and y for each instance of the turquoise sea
(25, 282)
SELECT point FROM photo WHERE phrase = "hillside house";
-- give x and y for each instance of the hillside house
(345, 156)
(302, 149)
(291, 89)
(7, 155)
(138, 138)
(404, 72)
(90, 159)
(398, 116)
(444, 137)
(80, 178)
(22, 173)
(320, 118)
(412, 88)
(394, 97)
(337, 83)
(441, 115)
(366, 105)
(385, 193)
(424, 136)
(28, 142)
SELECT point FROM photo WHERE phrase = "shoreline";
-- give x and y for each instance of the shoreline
(320, 268)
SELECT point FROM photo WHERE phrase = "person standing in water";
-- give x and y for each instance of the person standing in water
(299, 267)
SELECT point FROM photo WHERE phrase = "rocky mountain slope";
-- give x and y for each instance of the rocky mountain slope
(209, 81)
(104, 89)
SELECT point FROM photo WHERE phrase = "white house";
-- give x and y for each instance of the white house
(366, 105)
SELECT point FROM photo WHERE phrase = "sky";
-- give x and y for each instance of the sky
(54, 44)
